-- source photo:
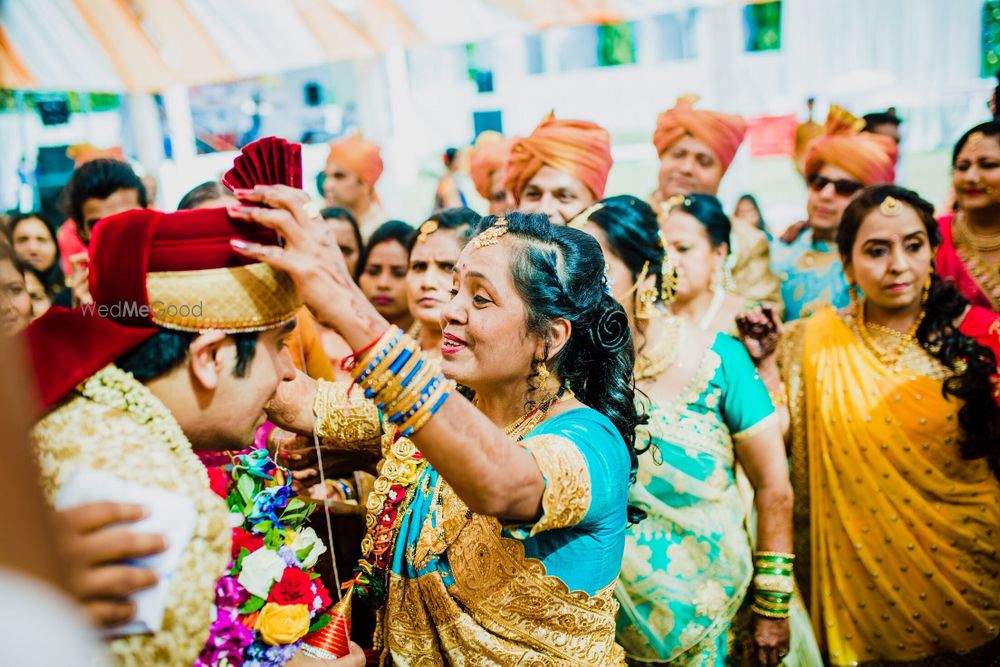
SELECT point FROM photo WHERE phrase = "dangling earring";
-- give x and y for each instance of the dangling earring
(852, 292)
(926, 293)
(669, 280)
(543, 374)
(728, 282)
(647, 304)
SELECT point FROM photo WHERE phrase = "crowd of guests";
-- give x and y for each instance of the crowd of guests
(741, 446)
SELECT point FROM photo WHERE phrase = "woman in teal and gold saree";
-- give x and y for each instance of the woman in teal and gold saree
(495, 529)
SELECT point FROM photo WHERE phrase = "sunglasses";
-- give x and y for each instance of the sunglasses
(844, 187)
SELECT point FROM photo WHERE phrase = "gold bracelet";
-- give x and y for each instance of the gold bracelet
(419, 380)
(769, 614)
(774, 583)
(343, 420)
(395, 387)
(423, 413)
(773, 554)
(382, 382)
(362, 363)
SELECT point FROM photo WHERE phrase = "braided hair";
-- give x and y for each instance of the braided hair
(937, 334)
(559, 273)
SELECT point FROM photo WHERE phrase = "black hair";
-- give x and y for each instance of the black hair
(340, 213)
(449, 155)
(707, 210)
(634, 235)
(393, 230)
(760, 214)
(52, 278)
(979, 415)
(559, 273)
(990, 128)
(167, 349)
(99, 179)
(202, 193)
(876, 118)
(461, 219)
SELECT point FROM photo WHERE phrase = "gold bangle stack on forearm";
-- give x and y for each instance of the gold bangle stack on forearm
(406, 386)
(773, 584)
(350, 423)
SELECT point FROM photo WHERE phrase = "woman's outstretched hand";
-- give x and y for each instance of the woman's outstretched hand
(312, 258)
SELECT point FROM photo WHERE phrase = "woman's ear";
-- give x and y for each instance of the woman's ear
(205, 363)
(558, 335)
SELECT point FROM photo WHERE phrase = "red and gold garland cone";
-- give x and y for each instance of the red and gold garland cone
(333, 640)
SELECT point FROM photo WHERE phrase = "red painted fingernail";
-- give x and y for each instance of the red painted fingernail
(239, 245)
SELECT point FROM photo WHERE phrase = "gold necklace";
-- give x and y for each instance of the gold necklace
(664, 354)
(527, 422)
(891, 356)
(978, 242)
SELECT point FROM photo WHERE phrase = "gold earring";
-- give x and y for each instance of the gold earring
(543, 374)
(852, 292)
(647, 304)
(926, 293)
(668, 280)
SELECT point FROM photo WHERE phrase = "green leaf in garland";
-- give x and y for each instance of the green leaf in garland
(253, 604)
(320, 622)
(244, 552)
(262, 527)
(246, 487)
(302, 553)
(274, 539)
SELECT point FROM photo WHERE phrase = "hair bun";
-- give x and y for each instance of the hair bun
(610, 333)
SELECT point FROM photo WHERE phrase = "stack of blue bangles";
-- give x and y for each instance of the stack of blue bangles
(407, 387)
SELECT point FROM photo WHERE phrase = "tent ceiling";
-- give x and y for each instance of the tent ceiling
(148, 45)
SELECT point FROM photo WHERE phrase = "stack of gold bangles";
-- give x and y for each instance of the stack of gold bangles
(407, 387)
(773, 583)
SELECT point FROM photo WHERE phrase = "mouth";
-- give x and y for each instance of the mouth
(897, 288)
(428, 302)
(382, 300)
(973, 192)
(825, 212)
(451, 344)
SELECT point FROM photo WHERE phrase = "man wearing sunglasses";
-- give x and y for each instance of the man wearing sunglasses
(837, 165)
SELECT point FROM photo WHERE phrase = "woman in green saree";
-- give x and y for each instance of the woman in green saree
(688, 565)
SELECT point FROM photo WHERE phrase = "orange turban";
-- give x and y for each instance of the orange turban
(721, 132)
(357, 155)
(83, 153)
(489, 155)
(577, 147)
(868, 157)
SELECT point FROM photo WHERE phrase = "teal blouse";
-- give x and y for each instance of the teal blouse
(586, 555)
(812, 276)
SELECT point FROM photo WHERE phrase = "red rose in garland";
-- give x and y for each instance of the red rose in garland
(245, 540)
(218, 480)
(294, 587)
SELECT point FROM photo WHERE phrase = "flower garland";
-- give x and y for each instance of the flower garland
(270, 598)
(391, 494)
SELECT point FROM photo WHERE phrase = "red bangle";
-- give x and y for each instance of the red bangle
(348, 362)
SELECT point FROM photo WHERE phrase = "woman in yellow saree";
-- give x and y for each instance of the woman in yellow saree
(894, 452)
(495, 530)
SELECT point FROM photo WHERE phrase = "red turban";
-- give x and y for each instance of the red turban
(721, 132)
(868, 157)
(577, 147)
(489, 155)
(152, 270)
(359, 156)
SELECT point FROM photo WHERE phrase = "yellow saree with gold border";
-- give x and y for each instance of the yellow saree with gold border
(903, 533)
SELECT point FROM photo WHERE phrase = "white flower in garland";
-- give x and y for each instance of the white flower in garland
(308, 547)
(260, 570)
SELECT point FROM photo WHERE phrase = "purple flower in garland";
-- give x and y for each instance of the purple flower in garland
(262, 655)
(286, 552)
(229, 593)
(228, 638)
(268, 504)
